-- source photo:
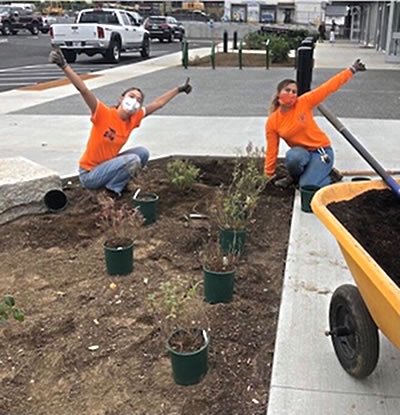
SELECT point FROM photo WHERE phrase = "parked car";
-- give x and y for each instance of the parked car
(13, 19)
(105, 31)
(164, 28)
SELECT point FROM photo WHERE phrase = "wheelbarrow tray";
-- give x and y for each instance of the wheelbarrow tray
(380, 294)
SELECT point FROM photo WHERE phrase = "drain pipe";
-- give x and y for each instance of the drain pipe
(55, 200)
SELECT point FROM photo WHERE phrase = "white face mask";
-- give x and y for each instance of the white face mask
(130, 104)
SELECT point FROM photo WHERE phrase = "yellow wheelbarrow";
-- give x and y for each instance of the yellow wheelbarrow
(356, 313)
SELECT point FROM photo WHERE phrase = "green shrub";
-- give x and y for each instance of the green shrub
(279, 46)
(295, 37)
(279, 49)
(7, 309)
(235, 205)
(182, 174)
(255, 40)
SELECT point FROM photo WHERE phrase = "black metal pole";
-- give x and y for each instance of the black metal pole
(304, 68)
(235, 40)
(225, 41)
(389, 180)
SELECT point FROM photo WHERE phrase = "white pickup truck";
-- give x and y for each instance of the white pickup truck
(105, 31)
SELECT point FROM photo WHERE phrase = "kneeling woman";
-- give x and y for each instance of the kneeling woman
(102, 164)
(310, 158)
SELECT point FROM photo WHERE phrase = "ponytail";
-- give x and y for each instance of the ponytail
(273, 106)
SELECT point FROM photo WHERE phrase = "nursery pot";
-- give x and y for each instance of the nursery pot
(119, 261)
(147, 204)
(188, 368)
(360, 179)
(55, 200)
(307, 193)
(218, 286)
(232, 240)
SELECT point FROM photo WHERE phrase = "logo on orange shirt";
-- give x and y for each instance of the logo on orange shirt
(110, 134)
(302, 117)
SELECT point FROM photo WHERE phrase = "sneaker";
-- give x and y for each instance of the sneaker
(285, 183)
(335, 176)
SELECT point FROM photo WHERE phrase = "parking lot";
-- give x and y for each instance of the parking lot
(23, 59)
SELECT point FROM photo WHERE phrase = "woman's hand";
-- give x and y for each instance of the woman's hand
(186, 87)
(358, 66)
(57, 57)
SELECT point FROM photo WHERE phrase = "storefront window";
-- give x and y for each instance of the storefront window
(267, 14)
(238, 13)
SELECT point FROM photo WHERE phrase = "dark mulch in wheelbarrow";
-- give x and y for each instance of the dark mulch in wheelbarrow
(54, 266)
(373, 219)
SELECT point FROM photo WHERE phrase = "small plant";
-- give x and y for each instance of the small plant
(7, 309)
(214, 259)
(119, 222)
(235, 205)
(177, 306)
(182, 174)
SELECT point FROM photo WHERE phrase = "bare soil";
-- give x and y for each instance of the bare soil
(248, 60)
(90, 346)
(373, 219)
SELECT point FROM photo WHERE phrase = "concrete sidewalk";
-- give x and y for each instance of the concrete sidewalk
(307, 378)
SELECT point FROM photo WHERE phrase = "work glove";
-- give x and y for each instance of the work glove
(186, 87)
(357, 66)
(57, 57)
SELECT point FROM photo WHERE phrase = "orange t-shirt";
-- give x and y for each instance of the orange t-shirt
(108, 135)
(297, 126)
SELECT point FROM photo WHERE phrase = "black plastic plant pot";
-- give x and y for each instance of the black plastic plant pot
(119, 261)
(218, 286)
(148, 205)
(360, 179)
(189, 368)
(232, 241)
(307, 193)
(55, 200)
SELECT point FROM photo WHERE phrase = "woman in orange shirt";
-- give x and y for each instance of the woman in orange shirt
(309, 160)
(102, 164)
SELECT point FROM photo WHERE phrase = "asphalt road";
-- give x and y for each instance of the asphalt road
(230, 92)
(23, 60)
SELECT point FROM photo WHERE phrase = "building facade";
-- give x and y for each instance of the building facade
(371, 23)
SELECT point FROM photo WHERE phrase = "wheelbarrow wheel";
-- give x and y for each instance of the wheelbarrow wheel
(354, 334)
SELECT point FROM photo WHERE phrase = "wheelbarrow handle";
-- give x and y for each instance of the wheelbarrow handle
(389, 180)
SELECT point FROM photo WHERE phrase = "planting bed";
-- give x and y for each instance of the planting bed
(248, 60)
(89, 344)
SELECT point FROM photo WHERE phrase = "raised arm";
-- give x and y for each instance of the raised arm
(167, 96)
(57, 57)
(319, 94)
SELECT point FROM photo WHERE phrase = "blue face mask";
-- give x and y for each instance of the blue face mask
(130, 104)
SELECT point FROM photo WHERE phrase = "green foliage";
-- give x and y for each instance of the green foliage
(182, 174)
(295, 37)
(7, 309)
(235, 206)
(255, 40)
(279, 45)
(176, 305)
(171, 298)
(279, 49)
